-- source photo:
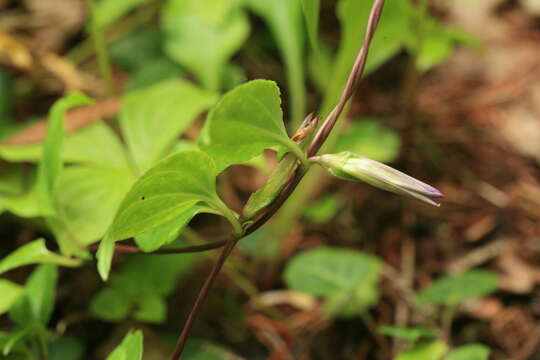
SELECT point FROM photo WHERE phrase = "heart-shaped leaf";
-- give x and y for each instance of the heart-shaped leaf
(247, 120)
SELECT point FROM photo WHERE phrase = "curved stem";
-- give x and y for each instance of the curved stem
(129, 249)
(315, 145)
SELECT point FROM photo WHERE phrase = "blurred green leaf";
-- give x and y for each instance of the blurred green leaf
(388, 40)
(410, 333)
(153, 117)
(7, 101)
(10, 341)
(108, 11)
(469, 352)
(260, 244)
(284, 18)
(425, 351)
(137, 49)
(66, 347)
(203, 34)
(33, 253)
(89, 199)
(37, 301)
(323, 210)
(51, 163)
(454, 289)
(11, 179)
(142, 284)
(367, 138)
(311, 14)
(95, 144)
(246, 121)
(10, 292)
(152, 73)
(197, 349)
(131, 347)
(164, 234)
(347, 279)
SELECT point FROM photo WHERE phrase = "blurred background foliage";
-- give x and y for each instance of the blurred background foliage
(344, 271)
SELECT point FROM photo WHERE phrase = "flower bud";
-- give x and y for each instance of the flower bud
(349, 166)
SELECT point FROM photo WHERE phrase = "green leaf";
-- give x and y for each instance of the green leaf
(164, 234)
(153, 117)
(105, 254)
(33, 253)
(247, 120)
(154, 72)
(95, 144)
(389, 38)
(137, 49)
(469, 352)
(311, 14)
(10, 292)
(203, 34)
(454, 289)
(142, 284)
(426, 351)
(37, 302)
(88, 201)
(66, 347)
(324, 209)
(197, 349)
(284, 17)
(170, 188)
(108, 11)
(347, 279)
(410, 333)
(11, 340)
(131, 347)
(51, 163)
(367, 138)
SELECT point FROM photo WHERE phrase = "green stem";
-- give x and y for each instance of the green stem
(100, 46)
(229, 215)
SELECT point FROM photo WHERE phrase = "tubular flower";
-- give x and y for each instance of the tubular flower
(349, 166)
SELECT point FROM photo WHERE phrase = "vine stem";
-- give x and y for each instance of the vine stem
(128, 249)
(316, 144)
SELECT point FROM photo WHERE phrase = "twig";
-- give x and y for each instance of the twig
(128, 249)
(314, 147)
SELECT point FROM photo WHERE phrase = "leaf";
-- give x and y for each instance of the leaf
(89, 200)
(469, 352)
(454, 289)
(164, 234)
(10, 292)
(247, 120)
(426, 351)
(94, 144)
(170, 188)
(311, 14)
(51, 163)
(9, 342)
(367, 138)
(107, 12)
(285, 21)
(142, 284)
(389, 38)
(137, 49)
(37, 302)
(104, 255)
(203, 34)
(324, 209)
(151, 118)
(197, 349)
(347, 279)
(154, 72)
(131, 347)
(33, 253)
(66, 347)
(410, 333)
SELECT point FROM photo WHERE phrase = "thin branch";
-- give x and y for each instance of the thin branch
(129, 249)
(314, 147)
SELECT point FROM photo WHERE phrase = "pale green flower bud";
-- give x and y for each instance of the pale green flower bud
(349, 166)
